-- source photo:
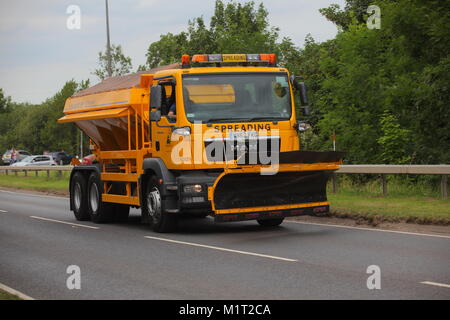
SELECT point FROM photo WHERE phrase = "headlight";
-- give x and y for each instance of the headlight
(183, 131)
(193, 188)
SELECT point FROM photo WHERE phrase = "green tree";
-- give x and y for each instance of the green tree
(120, 64)
(5, 102)
(355, 11)
(379, 87)
(394, 140)
(234, 28)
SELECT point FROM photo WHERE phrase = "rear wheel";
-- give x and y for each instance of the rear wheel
(99, 211)
(270, 222)
(79, 197)
(161, 221)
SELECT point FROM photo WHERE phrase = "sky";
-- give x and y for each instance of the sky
(39, 53)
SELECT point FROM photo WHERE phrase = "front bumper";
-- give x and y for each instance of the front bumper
(274, 213)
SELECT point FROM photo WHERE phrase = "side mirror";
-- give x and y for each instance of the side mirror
(300, 86)
(155, 97)
(155, 115)
(303, 93)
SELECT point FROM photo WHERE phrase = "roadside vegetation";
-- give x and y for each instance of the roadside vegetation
(382, 92)
(415, 200)
(54, 184)
(8, 296)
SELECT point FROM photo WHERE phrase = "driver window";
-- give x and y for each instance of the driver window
(168, 106)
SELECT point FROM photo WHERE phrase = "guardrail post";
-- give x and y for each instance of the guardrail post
(36, 173)
(444, 190)
(15, 173)
(26, 173)
(48, 174)
(334, 182)
(6, 170)
(384, 184)
(60, 173)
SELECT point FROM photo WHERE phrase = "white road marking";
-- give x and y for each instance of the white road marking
(64, 222)
(15, 292)
(370, 229)
(3, 211)
(436, 284)
(222, 249)
(35, 195)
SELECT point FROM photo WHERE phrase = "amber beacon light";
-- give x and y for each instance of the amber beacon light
(271, 58)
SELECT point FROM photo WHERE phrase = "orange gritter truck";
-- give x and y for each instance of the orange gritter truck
(213, 135)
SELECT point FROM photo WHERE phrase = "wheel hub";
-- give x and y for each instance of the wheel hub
(77, 196)
(154, 203)
(94, 197)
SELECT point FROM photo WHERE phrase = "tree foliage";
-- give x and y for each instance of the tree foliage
(120, 64)
(234, 27)
(35, 128)
(383, 92)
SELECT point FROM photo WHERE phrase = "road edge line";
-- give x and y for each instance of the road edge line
(436, 284)
(33, 194)
(370, 229)
(65, 222)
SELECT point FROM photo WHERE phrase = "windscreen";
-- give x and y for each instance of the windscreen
(237, 97)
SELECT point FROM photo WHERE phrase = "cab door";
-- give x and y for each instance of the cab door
(161, 130)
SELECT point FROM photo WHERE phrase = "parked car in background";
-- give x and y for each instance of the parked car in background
(61, 156)
(39, 160)
(89, 159)
(21, 154)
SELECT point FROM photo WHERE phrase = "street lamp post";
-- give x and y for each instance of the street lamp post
(108, 46)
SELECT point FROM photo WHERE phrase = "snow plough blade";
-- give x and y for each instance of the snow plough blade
(297, 188)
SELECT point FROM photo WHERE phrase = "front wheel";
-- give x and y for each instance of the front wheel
(270, 222)
(161, 221)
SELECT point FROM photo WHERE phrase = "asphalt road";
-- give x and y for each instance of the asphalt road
(206, 260)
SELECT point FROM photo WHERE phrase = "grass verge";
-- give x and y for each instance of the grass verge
(41, 182)
(7, 296)
(409, 199)
(376, 209)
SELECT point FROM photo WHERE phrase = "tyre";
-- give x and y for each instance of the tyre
(270, 222)
(160, 220)
(99, 211)
(78, 197)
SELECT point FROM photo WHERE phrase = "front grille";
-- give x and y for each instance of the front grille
(258, 150)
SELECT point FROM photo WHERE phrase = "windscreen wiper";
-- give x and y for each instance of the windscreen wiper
(227, 120)
(268, 118)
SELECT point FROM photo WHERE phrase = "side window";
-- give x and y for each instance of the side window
(168, 95)
(38, 159)
(280, 95)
